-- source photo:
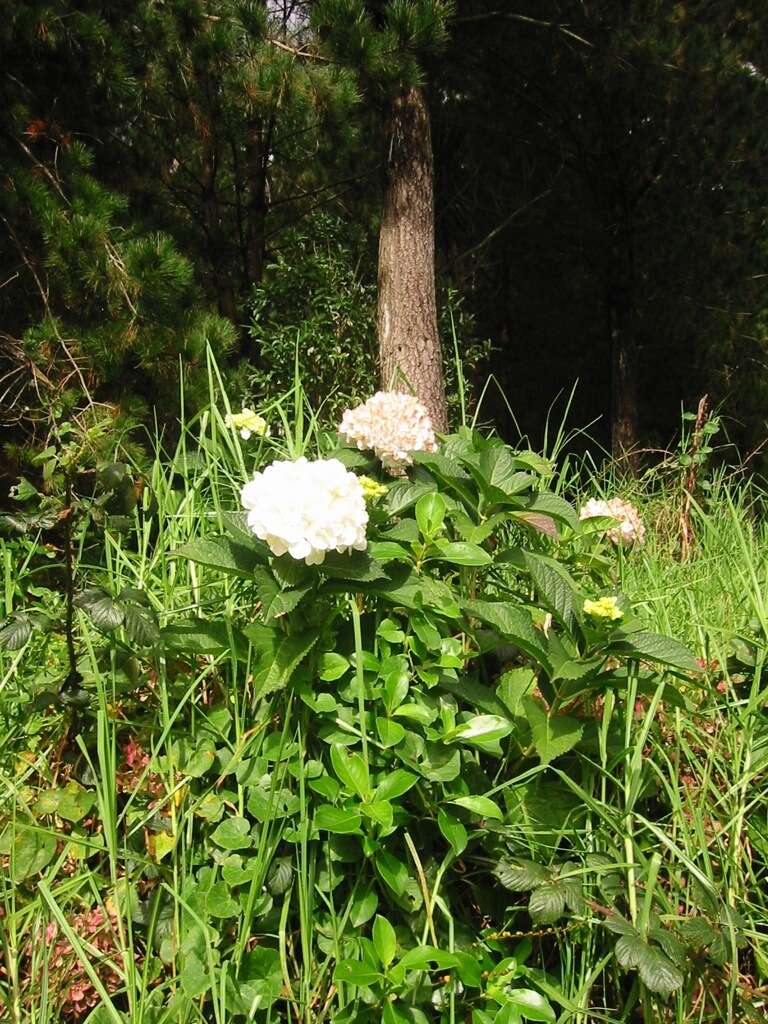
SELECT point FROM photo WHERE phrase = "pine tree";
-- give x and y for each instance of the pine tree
(95, 307)
(388, 43)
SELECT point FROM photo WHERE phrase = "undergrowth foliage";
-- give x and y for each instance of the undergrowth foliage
(386, 787)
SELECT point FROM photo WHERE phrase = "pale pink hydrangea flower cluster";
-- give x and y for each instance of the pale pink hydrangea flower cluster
(307, 509)
(629, 528)
(391, 424)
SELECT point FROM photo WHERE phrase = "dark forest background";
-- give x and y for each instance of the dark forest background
(183, 174)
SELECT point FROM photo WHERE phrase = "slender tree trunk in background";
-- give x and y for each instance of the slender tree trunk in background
(624, 370)
(225, 292)
(257, 201)
(409, 345)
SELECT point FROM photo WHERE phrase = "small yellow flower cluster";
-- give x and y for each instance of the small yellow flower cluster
(248, 422)
(372, 489)
(604, 608)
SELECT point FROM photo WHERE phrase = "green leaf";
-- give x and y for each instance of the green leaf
(395, 784)
(15, 632)
(351, 770)
(201, 759)
(30, 850)
(460, 553)
(430, 514)
(387, 551)
(340, 821)
(355, 973)
(274, 601)
(629, 949)
(552, 735)
(363, 908)
(379, 811)
(223, 553)
(482, 806)
(499, 476)
(547, 903)
(291, 651)
(219, 902)
(233, 834)
(140, 625)
(404, 493)
(655, 647)
(530, 1004)
(453, 831)
(192, 637)
(545, 503)
(195, 980)
(331, 666)
(554, 590)
(104, 612)
(164, 842)
(658, 972)
(697, 932)
(390, 631)
(74, 802)
(392, 871)
(390, 733)
(520, 876)
(512, 623)
(357, 566)
(384, 941)
(480, 729)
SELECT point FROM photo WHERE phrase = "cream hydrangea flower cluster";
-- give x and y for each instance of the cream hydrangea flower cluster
(630, 529)
(391, 424)
(307, 508)
(248, 422)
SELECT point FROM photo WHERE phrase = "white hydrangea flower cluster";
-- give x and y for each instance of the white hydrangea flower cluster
(392, 425)
(630, 529)
(307, 508)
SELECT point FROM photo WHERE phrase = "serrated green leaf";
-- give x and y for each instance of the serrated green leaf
(512, 623)
(552, 735)
(655, 647)
(658, 972)
(222, 553)
(140, 625)
(520, 876)
(15, 632)
(290, 652)
(104, 612)
(547, 903)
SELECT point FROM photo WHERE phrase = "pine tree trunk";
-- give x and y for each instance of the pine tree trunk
(409, 345)
(257, 204)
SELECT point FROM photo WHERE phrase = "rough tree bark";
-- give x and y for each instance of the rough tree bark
(409, 344)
